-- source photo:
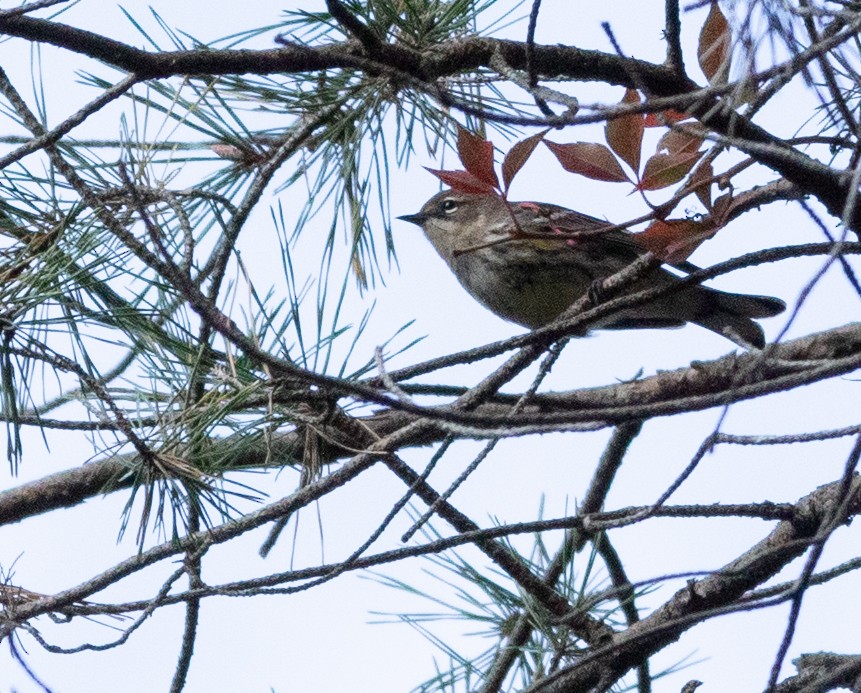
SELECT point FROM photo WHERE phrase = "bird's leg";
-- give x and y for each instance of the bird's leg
(596, 292)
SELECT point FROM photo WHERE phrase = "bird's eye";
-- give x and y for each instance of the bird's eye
(449, 205)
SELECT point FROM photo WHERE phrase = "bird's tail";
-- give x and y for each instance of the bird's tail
(731, 315)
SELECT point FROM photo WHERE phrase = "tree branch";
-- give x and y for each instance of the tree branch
(668, 392)
(831, 187)
(695, 602)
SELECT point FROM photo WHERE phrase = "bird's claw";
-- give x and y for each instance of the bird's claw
(595, 292)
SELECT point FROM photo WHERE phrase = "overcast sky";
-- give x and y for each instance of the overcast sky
(322, 640)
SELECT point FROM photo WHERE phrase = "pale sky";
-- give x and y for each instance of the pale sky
(322, 640)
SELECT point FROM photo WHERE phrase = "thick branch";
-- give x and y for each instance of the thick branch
(698, 600)
(830, 186)
(705, 385)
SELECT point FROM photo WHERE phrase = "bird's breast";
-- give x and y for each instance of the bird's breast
(522, 281)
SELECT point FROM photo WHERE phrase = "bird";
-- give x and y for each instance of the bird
(520, 260)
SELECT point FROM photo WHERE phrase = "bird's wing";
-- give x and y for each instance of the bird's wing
(549, 218)
(539, 217)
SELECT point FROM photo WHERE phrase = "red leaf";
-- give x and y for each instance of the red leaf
(589, 159)
(714, 48)
(722, 207)
(678, 142)
(663, 170)
(476, 154)
(674, 240)
(703, 192)
(663, 118)
(462, 181)
(517, 156)
(625, 134)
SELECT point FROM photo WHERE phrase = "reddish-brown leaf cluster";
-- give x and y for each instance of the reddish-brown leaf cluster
(677, 156)
(476, 155)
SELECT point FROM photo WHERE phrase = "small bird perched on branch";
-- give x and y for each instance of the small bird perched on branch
(519, 260)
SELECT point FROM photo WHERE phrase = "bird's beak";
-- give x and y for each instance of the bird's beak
(418, 219)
